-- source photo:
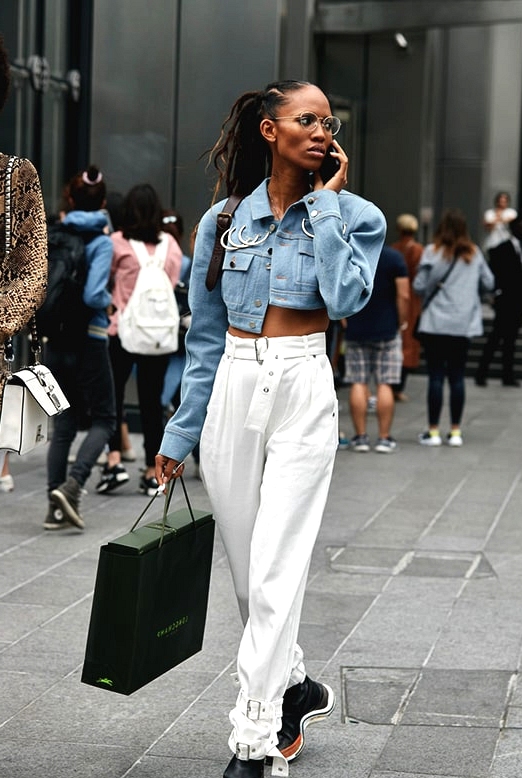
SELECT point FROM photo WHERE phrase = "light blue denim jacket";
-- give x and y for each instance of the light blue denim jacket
(322, 254)
(98, 255)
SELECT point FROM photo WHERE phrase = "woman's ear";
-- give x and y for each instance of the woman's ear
(267, 129)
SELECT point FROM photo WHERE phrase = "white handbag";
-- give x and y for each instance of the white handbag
(31, 395)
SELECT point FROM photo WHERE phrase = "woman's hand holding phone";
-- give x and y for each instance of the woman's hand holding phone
(333, 173)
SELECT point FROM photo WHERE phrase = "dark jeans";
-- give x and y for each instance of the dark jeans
(86, 379)
(445, 357)
(150, 375)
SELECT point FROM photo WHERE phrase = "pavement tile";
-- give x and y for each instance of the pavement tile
(508, 757)
(374, 695)
(393, 774)
(458, 698)
(462, 751)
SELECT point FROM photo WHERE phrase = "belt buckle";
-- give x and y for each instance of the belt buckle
(258, 355)
(242, 751)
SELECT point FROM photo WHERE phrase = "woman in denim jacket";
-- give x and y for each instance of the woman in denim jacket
(258, 389)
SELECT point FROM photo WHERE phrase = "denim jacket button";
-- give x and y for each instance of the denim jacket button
(311, 200)
(258, 303)
(232, 263)
(252, 325)
(314, 212)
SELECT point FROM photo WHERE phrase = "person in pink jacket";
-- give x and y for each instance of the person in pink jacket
(141, 222)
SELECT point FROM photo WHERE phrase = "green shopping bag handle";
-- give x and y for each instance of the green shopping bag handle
(166, 506)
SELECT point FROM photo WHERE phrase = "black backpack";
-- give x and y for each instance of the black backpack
(63, 316)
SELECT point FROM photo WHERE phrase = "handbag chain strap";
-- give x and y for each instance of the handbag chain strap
(36, 347)
(8, 345)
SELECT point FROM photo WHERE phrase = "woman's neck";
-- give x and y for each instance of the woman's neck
(283, 192)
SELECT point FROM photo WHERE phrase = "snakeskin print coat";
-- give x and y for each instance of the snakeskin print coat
(23, 274)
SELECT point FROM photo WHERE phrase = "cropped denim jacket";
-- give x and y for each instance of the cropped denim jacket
(322, 254)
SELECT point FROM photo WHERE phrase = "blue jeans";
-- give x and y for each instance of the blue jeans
(86, 379)
(445, 357)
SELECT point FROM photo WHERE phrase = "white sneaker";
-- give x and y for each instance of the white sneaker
(427, 439)
(6, 483)
(453, 439)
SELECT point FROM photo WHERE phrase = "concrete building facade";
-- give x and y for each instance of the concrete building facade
(430, 93)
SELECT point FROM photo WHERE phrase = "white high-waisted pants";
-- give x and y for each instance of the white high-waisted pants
(267, 454)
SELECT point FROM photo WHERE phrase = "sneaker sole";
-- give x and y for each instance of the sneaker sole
(110, 486)
(292, 752)
(57, 525)
(149, 491)
(429, 443)
(384, 449)
(70, 513)
(360, 449)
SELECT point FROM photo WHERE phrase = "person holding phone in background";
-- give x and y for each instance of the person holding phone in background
(258, 389)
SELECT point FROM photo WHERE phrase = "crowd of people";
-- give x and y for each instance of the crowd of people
(302, 275)
(429, 300)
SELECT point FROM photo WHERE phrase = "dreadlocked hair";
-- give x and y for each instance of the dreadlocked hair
(241, 155)
(453, 237)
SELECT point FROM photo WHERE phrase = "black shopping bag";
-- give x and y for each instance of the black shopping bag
(150, 600)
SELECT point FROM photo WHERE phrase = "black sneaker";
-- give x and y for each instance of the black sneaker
(112, 477)
(148, 486)
(67, 497)
(360, 443)
(245, 768)
(385, 445)
(56, 518)
(302, 704)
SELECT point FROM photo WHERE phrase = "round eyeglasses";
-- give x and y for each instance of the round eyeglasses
(309, 121)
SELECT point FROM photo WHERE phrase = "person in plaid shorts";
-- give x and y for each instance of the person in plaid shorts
(374, 351)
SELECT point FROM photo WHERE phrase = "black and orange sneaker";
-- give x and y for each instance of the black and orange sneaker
(244, 768)
(303, 704)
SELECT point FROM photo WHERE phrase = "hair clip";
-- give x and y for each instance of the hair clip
(169, 219)
(87, 180)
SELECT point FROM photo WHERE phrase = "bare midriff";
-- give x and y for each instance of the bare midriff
(284, 322)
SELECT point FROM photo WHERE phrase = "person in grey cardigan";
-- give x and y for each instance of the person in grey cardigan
(450, 278)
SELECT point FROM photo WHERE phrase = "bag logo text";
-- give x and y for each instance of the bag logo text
(166, 631)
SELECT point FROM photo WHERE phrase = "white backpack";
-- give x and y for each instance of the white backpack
(149, 324)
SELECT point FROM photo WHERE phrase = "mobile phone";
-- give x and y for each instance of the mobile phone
(329, 166)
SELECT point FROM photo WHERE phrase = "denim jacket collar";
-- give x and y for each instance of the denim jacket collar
(260, 203)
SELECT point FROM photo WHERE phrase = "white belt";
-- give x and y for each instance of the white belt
(270, 354)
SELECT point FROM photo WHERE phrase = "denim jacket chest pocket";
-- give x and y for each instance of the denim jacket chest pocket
(294, 267)
(306, 274)
(245, 275)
